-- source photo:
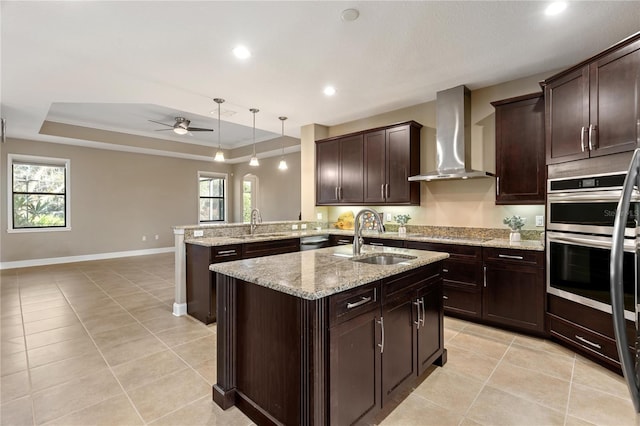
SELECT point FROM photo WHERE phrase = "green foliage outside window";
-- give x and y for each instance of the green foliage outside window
(39, 198)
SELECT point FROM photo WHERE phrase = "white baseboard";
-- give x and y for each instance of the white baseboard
(83, 258)
(179, 309)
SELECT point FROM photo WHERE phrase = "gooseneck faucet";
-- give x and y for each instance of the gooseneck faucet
(357, 225)
(256, 218)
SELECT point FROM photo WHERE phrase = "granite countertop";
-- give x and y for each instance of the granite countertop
(535, 245)
(315, 274)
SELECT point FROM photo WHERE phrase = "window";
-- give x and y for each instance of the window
(39, 193)
(212, 190)
(249, 190)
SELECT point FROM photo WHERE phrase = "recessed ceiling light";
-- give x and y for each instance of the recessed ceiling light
(349, 15)
(329, 91)
(241, 52)
(555, 8)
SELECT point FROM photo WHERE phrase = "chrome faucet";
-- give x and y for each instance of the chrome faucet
(256, 218)
(357, 226)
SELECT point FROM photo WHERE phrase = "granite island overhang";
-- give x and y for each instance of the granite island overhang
(320, 337)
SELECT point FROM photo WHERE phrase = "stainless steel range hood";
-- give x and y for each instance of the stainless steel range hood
(453, 137)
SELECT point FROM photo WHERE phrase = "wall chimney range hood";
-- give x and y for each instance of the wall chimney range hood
(453, 137)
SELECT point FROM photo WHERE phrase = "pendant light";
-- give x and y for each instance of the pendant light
(283, 163)
(254, 160)
(219, 154)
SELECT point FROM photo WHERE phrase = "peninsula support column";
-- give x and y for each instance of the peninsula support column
(180, 303)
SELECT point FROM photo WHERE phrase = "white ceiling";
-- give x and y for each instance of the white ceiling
(115, 65)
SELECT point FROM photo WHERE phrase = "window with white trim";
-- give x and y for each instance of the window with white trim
(39, 193)
(212, 190)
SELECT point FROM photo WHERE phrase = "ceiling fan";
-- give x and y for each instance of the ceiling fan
(181, 126)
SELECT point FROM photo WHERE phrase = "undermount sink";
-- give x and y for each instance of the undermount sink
(384, 259)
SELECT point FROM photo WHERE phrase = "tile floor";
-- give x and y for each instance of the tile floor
(96, 343)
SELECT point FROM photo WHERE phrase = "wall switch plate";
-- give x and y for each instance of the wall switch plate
(539, 220)
(303, 226)
(144, 238)
(294, 227)
(198, 233)
(157, 237)
(388, 219)
(319, 215)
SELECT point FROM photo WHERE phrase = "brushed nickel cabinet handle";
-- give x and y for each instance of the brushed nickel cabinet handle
(382, 191)
(421, 302)
(445, 270)
(509, 256)
(582, 130)
(592, 130)
(497, 185)
(445, 297)
(376, 244)
(381, 345)
(484, 272)
(361, 302)
(417, 305)
(386, 191)
(336, 191)
(588, 342)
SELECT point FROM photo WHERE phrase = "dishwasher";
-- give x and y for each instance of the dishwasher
(313, 242)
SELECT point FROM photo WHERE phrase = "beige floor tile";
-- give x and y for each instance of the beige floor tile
(11, 320)
(10, 310)
(183, 334)
(69, 397)
(114, 411)
(574, 421)
(449, 390)
(490, 332)
(482, 345)
(162, 323)
(50, 304)
(9, 331)
(132, 349)
(156, 310)
(51, 296)
(204, 412)
(468, 422)
(590, 374)
(208, 370)
(13, 363)
(47, 314)
(197, 351)
(17, 413)
(102, 313)
(67, 370)
(101, 323)
(60, 351)
(145, 370)
(600, 408)
(532, 385)
(12, 345)
(539, 360)
(495, 407)
(54, 336)
(50, 323)
(455, 324)
(415, 410)
(120, 335)
(14, 386)
(91, 303)
(169, 393)
(543, 345)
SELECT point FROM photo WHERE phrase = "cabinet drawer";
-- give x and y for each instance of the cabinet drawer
(462, 301)
(226, 253)
(351, 303)
(339, 240)
(583, 338)
(268, 248)
(411, 279)
(462, 273)
(383, 242)
(514, 256)
(456, 251)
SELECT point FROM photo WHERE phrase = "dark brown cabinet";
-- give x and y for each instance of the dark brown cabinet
(369, 167)
(339, 170)
(520, 159)
(462, 278)
(390, 157)
(201, 282)
(593, 108)
(514, 293)
(269, 248)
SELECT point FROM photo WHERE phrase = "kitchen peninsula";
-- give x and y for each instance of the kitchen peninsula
(322, 336)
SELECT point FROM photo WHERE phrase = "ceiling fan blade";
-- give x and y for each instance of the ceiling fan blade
(164, 124)
(162, 130)
(198, 129)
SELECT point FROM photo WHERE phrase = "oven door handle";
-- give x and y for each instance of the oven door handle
(598, 196)
(617, 291)
(580, 241)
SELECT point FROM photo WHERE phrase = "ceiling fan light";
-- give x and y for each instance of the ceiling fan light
(282, 165)
(219, 157)
(254, 161)
(180, 130)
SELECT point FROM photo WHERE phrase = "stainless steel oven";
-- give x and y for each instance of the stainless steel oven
(580, 216)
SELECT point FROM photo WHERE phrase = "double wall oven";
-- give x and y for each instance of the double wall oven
(580, 217)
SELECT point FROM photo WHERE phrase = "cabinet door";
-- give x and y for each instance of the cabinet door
(520, 161)
(328, 172)
(567, 117)
(200, 284)
(375, 172)
(514, 296)
(615, 101)
(430, 338)
(354, 383)
(351, 170)
(398, 358)
(398, 165)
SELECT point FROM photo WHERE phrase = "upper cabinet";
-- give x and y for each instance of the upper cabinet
(520, 161)
(388, 156)
(593, 109)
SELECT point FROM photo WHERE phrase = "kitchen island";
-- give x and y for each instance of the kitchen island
(323, 337)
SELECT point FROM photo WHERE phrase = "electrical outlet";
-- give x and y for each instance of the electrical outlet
(198, 233)
(294, 227)
(319, 215)
(303, 226)
(157, 237)
(144, 238)
(539, 220)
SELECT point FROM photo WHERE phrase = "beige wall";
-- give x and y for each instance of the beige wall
(450, 203)
(117, 197)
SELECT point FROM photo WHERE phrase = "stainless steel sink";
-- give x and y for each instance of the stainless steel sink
(384, 259)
